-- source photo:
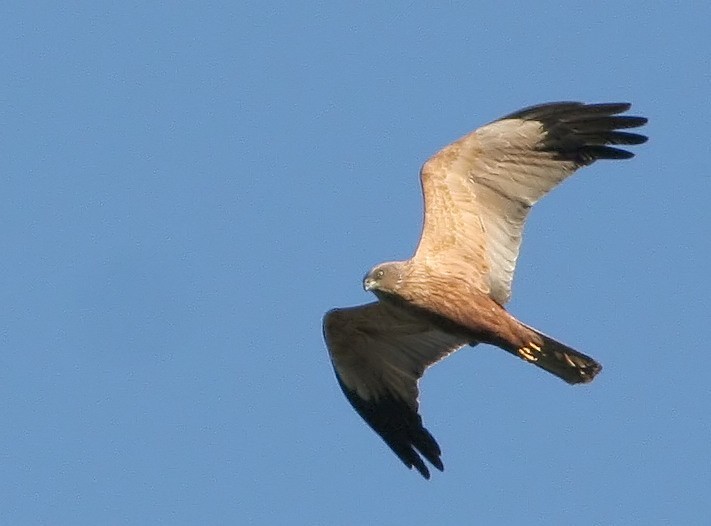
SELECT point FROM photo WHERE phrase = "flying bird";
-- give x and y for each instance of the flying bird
(451, 293)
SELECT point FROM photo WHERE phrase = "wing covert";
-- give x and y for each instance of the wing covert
(478, 190)
(379, 353)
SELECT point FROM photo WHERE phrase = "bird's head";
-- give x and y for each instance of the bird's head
(385, 277)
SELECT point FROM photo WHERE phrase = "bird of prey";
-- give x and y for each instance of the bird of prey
(451, 293)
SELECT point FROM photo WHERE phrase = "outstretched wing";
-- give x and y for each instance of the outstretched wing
(479, 189)
(379, 352)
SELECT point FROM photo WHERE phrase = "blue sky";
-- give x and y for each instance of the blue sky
(186, 188)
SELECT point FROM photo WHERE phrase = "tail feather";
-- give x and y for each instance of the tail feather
(559, 359)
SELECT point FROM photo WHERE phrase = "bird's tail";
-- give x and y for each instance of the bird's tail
(559, 359)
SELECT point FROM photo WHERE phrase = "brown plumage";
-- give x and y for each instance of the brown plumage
(452, 292)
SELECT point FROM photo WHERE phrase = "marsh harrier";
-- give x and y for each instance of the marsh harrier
(451, 293)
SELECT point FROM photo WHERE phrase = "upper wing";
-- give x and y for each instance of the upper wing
(479, 189)
(379, 352)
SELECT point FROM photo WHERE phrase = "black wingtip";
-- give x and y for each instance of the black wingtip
(422, 467)
(539, 110)
(400, 427)
(584, 133)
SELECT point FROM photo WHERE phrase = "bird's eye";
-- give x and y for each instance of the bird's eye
(380, 274)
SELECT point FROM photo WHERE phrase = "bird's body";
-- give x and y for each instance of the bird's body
(452, 292)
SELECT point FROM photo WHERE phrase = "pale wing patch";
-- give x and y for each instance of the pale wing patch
(478, 192)
(505, 194)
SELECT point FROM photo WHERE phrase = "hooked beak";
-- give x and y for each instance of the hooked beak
(368, 284)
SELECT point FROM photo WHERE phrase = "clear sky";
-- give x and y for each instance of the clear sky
(187, 187)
